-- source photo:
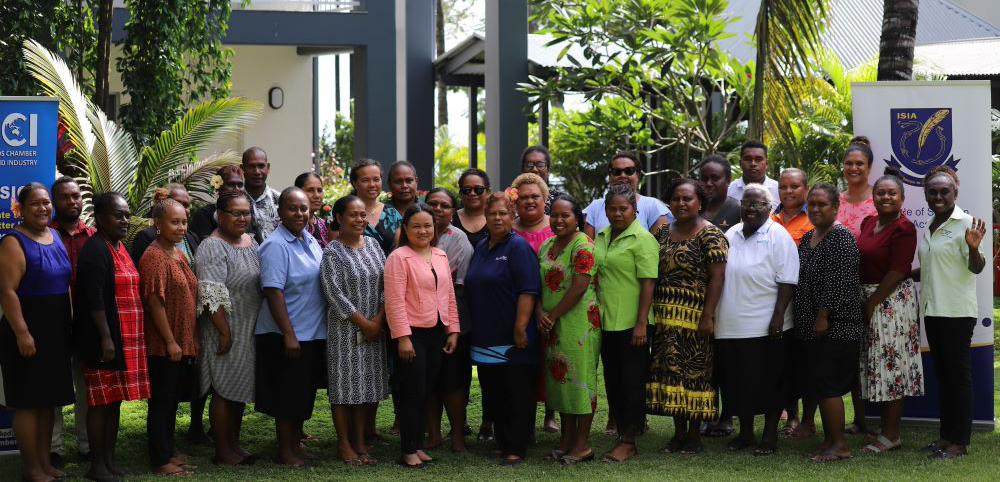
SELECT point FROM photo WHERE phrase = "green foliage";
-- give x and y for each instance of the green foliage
(451, 159)
(171, 57)
(581, 143)
(660, 63)
(108, 157)
(336, 150)
(19, 21)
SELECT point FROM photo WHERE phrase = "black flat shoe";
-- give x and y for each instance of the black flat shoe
(511, 462)
(485, 436)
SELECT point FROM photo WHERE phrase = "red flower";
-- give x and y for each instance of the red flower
(553, 278)
(558, 367)
(327, 208)
(584, 260)
(594, 315)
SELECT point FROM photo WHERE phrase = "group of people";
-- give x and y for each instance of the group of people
(751, 292)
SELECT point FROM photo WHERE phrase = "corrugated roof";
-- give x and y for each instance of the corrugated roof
(961, 57)
(856, 25)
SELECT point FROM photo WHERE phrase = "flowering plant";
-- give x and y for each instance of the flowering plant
(326, 212)
(511, 193)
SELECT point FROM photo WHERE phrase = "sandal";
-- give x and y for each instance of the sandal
(575, 459)
(693, 448)
(355, 462)
(367, 459)
(854, 429)
(556, 455)
(609, 458)
(802, 431)
(673, 446)
(828, 456)
(887, 445)
(933, 446)
(789, 428)
(765, 448)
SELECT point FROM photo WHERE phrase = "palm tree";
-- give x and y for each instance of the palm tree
(104, 157)
(899, 34)
(787, 35)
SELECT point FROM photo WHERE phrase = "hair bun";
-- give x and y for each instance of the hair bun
(892, 171)
(863, 140)
(159, 194)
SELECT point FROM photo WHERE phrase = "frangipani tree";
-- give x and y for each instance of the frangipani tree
(104, 157)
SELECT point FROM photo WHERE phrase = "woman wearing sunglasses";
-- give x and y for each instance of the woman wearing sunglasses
(625, 168)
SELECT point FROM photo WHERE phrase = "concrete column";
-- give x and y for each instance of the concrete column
(417, 87)
(506, 66)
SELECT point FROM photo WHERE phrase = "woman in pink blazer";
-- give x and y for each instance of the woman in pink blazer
(423, 321)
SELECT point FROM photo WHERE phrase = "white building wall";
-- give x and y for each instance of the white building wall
(285, 133)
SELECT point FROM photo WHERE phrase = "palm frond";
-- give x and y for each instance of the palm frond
(195, 175)
(57, 80)
(787, 34)
(114, 156)
(206, 123)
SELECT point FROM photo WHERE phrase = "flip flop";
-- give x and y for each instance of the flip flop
(555, 455)
(693, 448)
(673, 446)
(797, 434)
(887, 445)
(853, 429)
(367, 459)
(355, 462)
(828, 456)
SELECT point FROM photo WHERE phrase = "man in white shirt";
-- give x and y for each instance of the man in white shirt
(753, 162)
(265, 199)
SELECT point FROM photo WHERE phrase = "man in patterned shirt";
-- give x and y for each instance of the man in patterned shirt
(265, 199)
(537, 160)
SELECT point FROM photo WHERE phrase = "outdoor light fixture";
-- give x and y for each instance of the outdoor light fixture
(276, 97)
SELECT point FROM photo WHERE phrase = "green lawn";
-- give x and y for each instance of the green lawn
(714, 464)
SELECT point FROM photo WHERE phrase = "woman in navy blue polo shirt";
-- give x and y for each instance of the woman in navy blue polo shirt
(502, 283)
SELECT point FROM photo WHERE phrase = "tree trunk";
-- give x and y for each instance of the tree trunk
(756, 127)
(102, 69)
(899, 33)
(442, 91)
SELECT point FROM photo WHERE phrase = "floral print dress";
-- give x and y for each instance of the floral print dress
(573, 347)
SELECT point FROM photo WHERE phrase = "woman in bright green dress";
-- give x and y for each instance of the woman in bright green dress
(569, 318)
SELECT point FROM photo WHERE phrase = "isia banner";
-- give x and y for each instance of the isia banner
(28, 129)
(915, 126)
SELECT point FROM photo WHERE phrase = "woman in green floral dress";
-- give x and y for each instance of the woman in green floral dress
(569, 318)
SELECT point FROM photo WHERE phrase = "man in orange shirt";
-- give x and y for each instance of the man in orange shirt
(791, 212)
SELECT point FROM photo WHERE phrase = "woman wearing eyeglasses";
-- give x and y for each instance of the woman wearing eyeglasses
(625, 168)
(229, 298)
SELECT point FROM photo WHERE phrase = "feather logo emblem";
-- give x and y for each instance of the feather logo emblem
(921, 139)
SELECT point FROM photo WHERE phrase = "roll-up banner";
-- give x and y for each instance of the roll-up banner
(915, 126)
(28, 136)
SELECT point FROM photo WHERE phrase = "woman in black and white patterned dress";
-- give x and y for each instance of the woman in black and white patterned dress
(351, 273)
(229, 297)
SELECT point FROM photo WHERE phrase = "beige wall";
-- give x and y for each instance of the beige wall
(988, 10)
(285, 133)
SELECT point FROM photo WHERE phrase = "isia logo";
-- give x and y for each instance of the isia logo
(921, 140)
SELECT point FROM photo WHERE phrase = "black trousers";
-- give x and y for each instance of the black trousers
(414, 380)
(625, 372)
(170, 382)
(949, 339)
(511, 401)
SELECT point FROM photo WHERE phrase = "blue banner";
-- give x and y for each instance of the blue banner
(28, 142)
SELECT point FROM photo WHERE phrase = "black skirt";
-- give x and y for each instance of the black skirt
(752, 373)
(456, 369)
(829, 368)
(286, 387)
(45, 379)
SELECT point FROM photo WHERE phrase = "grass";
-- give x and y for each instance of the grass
(790, 463)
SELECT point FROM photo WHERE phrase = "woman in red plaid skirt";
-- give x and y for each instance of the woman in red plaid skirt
(109, 331)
